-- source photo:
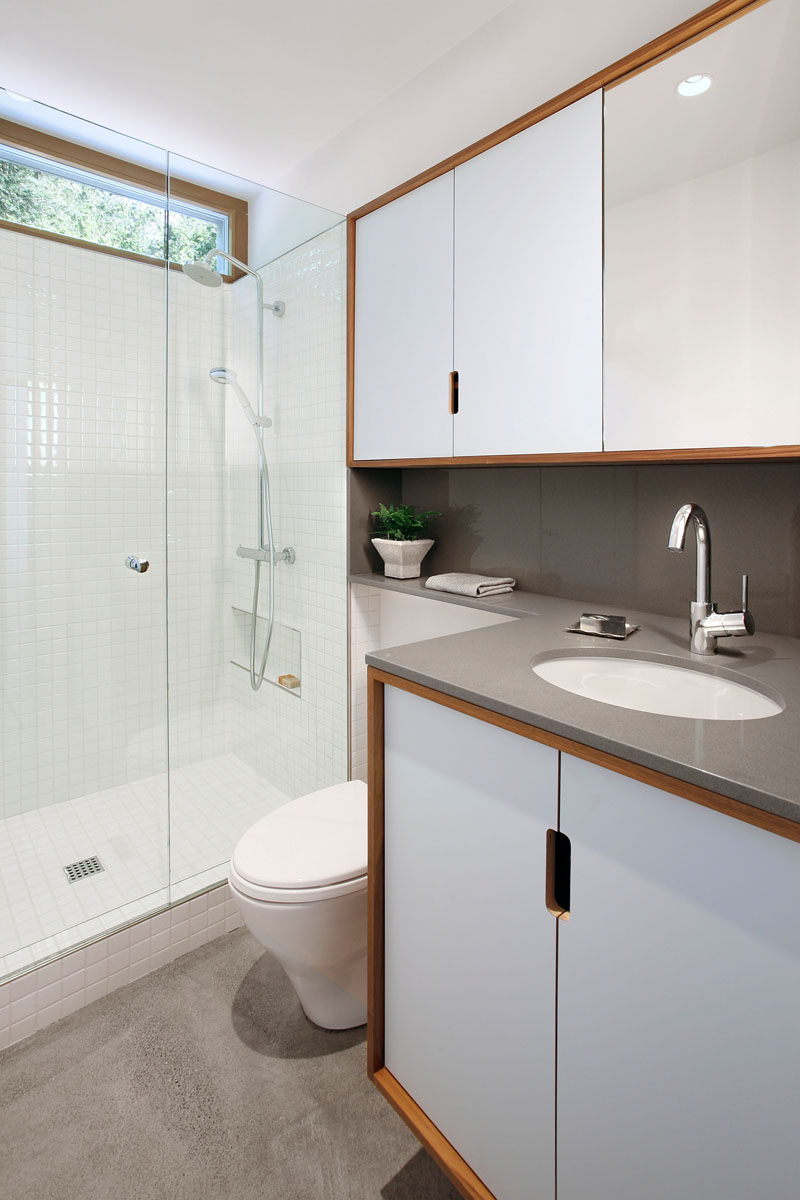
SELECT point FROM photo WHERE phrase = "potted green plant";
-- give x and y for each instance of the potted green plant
(400, 542)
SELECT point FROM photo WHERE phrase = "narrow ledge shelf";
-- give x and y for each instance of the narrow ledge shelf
(511, 604)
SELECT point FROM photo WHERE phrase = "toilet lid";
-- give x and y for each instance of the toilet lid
(318, 839)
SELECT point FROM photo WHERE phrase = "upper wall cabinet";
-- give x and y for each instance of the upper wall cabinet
(515, 309)
(702, 242)
(404, 327)
(528, 290)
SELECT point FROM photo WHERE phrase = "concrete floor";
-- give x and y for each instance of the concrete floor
(203, 1081)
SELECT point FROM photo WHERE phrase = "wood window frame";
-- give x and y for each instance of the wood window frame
(87, 159)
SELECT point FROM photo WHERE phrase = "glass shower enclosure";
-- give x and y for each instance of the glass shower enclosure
(135, 750)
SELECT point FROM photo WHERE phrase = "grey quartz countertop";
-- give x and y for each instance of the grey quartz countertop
(753, 761)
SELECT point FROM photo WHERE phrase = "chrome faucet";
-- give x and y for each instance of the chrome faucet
(705, 623)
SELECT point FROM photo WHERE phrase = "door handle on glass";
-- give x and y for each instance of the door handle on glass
(136, 564)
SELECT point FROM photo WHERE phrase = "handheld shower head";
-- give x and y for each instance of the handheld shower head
(225, 375)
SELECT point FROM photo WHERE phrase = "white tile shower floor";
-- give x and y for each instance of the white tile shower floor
(211, 804)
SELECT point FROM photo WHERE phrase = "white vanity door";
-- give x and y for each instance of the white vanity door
(678, 1000)
(404, 327)
(528, 289)
(469, 945)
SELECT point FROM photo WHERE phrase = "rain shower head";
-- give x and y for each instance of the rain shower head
(202, 272)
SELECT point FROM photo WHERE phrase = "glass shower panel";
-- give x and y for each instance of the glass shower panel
(237, 752)
(84, 804)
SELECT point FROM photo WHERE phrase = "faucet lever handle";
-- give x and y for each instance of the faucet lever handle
(745, 592)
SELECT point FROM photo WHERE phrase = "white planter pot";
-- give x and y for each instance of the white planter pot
(401, 560)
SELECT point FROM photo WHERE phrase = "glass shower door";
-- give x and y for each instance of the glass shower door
(84, 802)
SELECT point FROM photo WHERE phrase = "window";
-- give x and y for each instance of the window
(127, 213)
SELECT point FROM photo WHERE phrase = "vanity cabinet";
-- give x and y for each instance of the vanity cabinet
(678, 999)
(492, 271)
(671, 1067)
(469, 947)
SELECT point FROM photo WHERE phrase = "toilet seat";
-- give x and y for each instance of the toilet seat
(272, 895)
(313, 848)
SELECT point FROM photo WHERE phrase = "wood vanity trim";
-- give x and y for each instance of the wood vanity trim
(351, 339)
(740, 811)
(589, 458)
(455, 1168)
(375, 879)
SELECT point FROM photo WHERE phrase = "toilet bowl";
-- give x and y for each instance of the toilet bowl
(299, 877)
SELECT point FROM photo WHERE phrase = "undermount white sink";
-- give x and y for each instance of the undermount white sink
(657, 687)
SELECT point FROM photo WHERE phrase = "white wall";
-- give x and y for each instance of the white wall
(277, 223)
(380, 618)
(702, 310)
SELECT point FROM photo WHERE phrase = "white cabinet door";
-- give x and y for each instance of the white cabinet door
(678, 1000)
(469, 945)
(404, 326)
(528, 289)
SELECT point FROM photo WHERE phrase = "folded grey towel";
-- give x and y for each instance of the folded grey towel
(470, 585)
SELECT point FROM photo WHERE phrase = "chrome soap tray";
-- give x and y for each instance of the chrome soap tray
(602, 625)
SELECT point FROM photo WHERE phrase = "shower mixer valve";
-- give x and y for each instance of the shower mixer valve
(287, 554)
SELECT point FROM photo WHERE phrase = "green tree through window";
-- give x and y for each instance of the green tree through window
(54, 204)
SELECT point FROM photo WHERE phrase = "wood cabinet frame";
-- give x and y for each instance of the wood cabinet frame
(441, 1150)
(692, 30)
(145, 177)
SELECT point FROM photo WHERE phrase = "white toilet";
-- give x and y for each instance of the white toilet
(299, 876)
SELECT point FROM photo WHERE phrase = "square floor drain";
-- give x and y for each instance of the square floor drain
(83, 868)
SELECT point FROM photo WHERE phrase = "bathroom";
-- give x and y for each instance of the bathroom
(211, 984)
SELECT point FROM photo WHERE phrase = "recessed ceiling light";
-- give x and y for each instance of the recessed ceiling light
(694, 85)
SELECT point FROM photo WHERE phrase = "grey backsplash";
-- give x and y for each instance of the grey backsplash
(599, 533)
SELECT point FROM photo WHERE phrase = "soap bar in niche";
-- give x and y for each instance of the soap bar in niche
(289, 681)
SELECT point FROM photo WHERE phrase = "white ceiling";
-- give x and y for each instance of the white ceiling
(334, 103)
(655, 138)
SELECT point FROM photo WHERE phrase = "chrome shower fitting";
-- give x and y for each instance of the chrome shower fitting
(205, 273)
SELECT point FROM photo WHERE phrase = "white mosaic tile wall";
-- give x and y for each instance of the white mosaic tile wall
(298, 743)
(40, 997)
(199, 674)
(82, 352)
